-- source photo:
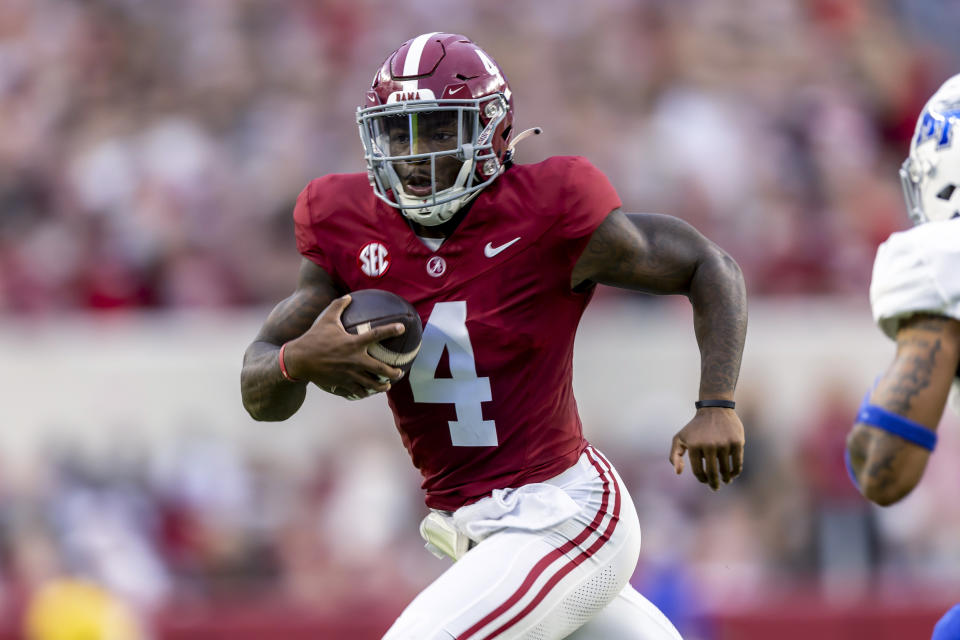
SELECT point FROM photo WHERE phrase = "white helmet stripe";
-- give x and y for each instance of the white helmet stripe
(411, 64)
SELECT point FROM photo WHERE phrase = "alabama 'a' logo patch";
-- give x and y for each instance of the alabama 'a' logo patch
(436, 266)
(373, 260)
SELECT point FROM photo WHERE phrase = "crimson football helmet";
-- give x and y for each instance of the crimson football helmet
(439, 98)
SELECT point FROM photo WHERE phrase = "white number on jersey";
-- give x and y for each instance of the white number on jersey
(447, 328)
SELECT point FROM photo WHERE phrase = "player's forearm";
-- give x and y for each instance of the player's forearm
(719, 298)
(267, 396)
(917, 383)
(887, 467)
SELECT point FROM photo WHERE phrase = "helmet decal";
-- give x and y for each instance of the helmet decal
(937, 126)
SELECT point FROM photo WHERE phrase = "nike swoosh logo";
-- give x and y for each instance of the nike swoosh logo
(490, 250)
(372, 99)
(453, 91)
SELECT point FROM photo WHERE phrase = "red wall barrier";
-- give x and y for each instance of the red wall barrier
(792, 619)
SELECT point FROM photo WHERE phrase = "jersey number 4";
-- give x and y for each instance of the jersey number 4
(447, 329)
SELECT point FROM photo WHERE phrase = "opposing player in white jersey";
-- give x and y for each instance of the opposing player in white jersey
(915, 295)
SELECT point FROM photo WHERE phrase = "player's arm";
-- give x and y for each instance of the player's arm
(318, 350)
(886, 466)
(661, 254)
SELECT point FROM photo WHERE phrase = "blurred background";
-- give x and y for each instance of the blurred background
(150, 154)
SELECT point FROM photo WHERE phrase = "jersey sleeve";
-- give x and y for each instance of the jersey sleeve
(583, 200)
(917, 271)
(588, 199)
(306, 229)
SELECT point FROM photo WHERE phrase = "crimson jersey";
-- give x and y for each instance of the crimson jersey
(489, 400)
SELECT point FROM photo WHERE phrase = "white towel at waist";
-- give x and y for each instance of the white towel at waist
(532, 507)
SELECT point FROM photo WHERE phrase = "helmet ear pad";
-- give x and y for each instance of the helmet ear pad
(931, 181)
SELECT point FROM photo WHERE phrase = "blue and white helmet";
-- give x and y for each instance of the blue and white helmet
(931, 173)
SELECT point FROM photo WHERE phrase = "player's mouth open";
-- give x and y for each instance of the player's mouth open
(419, 187)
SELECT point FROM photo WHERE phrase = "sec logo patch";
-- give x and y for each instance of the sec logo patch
(373, 259)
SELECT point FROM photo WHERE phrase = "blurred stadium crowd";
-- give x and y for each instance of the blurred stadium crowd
(150, 153)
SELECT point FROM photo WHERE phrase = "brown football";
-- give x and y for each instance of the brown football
(371, 308)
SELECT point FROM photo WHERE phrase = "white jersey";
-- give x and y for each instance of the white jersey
(918, 271)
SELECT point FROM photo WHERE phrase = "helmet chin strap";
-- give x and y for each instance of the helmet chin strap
(432, 215)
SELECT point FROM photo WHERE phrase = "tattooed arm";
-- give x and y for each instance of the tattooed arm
(318, 350)
(661, 254)
(916, 387)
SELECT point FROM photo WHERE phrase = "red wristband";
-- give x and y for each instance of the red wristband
(283, 367)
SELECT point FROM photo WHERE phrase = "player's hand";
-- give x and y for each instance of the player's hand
(714, 439)
(337, 361)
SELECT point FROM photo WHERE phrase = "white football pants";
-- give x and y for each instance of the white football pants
(527, 581)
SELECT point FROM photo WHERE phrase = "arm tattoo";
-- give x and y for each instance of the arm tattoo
(915, 386)
(886, 468)
(719, 300)
(266, 394)
(881, 471)
(914, 373)
(662, 254)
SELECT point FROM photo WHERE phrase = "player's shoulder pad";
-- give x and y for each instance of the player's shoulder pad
(581, 176)
(330, 194)
(558, 167)
(567, 183)
(570, 164)
(917, 271)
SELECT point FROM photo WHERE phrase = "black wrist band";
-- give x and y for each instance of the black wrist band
(726, 404)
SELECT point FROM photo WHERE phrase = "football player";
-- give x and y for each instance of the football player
(915, 295)
(500, 260)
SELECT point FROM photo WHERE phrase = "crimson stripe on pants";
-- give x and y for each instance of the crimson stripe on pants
(577, 561)
(560, 551)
